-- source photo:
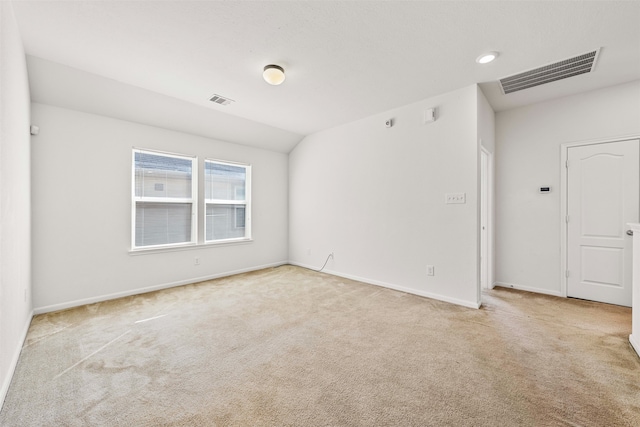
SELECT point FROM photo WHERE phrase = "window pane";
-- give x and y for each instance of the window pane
(240, 216)
(224, 182)
(162, 223)
(225, 222)
(162, 176)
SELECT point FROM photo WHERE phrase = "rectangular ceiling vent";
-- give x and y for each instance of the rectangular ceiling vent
(575, 66)
(218, 99)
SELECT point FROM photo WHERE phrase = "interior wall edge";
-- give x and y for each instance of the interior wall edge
(15, 217)
(392, 286)
(139, 291)
(14, 360)
(634, 340)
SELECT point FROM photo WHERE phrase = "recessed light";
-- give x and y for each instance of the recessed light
(485, 58)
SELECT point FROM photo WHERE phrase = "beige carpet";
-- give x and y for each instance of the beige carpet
(290, 347)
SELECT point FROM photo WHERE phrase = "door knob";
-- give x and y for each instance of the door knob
(629, 232)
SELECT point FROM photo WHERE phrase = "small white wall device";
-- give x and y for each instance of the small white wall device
(34, 130)
(429, 115)
(545, 190)
(388, 123)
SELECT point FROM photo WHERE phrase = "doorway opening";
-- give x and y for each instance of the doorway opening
(486, 219)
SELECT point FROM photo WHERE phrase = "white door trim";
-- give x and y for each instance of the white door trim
(490, 218)
(564, 155)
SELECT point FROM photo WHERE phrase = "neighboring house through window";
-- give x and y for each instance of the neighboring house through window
(164, 199)
(227, 201)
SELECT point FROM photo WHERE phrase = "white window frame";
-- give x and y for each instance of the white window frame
(193, 200)
(246, 203)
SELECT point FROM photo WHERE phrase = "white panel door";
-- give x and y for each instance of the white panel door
(602, 197)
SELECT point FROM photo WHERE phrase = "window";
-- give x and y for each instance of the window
(227, 201)
(164, 199)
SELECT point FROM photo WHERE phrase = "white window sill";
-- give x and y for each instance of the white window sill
(155, 250)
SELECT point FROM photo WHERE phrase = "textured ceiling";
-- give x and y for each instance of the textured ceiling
(344, 60)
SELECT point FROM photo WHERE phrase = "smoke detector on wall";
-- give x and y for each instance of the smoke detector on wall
(566, 68)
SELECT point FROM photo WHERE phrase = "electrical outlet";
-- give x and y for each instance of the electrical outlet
(196, 261)
(451, 198)
(431, 270)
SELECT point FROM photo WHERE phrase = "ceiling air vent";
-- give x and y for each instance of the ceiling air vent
(575, 66)
(220, 100)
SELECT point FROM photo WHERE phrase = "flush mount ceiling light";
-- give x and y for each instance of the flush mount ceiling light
(485, 58)
(273, 74)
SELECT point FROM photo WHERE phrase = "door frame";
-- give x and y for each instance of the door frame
(564, 198)
(489, 218)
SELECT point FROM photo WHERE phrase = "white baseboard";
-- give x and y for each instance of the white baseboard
(101, 298)
(635, 343)
(395, 287)
(14, 360)
(529, 289)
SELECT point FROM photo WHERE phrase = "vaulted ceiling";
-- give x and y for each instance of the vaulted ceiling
(159, 62)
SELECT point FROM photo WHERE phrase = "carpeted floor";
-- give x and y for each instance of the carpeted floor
(291, 347)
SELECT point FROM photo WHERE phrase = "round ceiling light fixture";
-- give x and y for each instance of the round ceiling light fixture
(485, 58)
(273, 74)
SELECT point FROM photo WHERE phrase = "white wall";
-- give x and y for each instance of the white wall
(15, 240)
(486, 123)
(81, 173)
(375, 197)
(528, 141)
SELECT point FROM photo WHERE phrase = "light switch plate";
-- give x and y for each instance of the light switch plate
(453, 198)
